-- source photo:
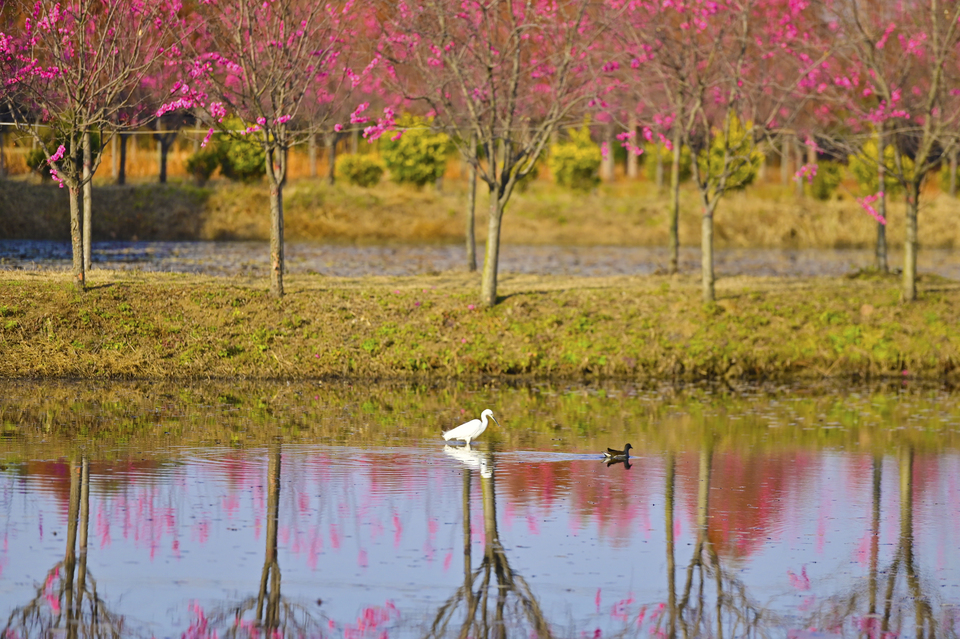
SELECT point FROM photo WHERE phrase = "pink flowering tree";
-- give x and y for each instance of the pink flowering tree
(897, 80)
(70, 69)
(721, 75)
(501, 74)
(261, 63)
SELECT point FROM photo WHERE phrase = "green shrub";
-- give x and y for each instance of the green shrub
(945, 176)
(650, 152)
(36, 160)
(828, 178)
(863, 166)
(419, 156)
(203, 163)
(241, 159)
(745, 159)
(361, 170)
(576, 163)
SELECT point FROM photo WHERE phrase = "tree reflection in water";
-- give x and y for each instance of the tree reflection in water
(734, 613)
(274, 615)
(882, 606)
(68, 603)
(472, 611)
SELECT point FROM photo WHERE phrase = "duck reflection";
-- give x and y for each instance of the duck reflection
(493, 600)
(68, 604)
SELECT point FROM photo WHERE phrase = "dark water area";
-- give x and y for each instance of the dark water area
(140, 510)
(251, 258)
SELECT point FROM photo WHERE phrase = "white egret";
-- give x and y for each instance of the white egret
(472, 429)
(613, 453)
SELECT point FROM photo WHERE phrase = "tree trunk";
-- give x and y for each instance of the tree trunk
(165, 140)
(122, 162)
(471, 212)
(312, 154)
(706, 257)
(276, 175)
(3, 164)
(633, 166)
(659, 170)
(331, 142)
(785, 161)
(488, 285)
(76, 237)
(355, 141)
(87, 199)
(675, 204)
(881, 250)
(953, 173)
(798, 159)
(607, 163)
(910, 245)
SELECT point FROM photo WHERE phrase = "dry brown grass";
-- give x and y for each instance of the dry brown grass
(627, 213)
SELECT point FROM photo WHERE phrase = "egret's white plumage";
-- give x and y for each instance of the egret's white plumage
(471, 429)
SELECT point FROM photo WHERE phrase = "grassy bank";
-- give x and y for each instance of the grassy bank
(171, 326)
(622, 213)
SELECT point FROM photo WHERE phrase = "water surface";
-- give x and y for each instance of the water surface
(252, 258)
(338, 512)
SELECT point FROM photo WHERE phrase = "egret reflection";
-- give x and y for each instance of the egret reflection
(493, 601)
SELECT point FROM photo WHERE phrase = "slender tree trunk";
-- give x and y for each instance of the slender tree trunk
(471, 238)
(160, 137)
(114, 160)
(488, 285)
(607, 164)
(675, 204)
(706, 256)
(122, 161)
(355, 141)
(312, 154)
(3, 163)
(881, 251)
(87, 200)
(785, 161)
(276, 175)
(633, 166)
(910, 245)
(762, 170)
(953, 173)
(76, 236)
(798, 159)
(331, 142)
(659, 170)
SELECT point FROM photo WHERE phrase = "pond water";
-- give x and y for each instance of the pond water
(251, 258)
(337, 511)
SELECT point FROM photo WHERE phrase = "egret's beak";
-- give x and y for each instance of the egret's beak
(495, 419)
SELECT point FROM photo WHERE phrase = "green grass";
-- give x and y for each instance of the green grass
(161, 326)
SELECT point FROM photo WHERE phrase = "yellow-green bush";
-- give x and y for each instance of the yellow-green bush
(744, 157)
(419, 156)
(361, 170)
(864, 167)
(576, 163)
